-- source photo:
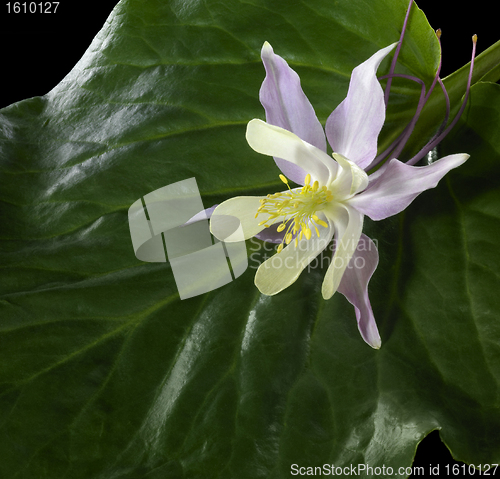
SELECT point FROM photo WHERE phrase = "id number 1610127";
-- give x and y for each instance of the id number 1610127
(32, 7)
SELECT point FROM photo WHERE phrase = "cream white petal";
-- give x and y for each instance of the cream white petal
(350, 179)
(283, 269)
(348, 226)
(275, 141)
(224, 221)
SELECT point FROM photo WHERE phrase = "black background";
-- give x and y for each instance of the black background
(38, 50)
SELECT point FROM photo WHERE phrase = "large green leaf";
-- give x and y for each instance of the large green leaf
(106, 373)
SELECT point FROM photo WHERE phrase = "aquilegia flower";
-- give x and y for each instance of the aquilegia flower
(336, 191)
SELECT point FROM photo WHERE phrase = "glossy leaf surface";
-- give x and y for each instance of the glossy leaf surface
(106, 373)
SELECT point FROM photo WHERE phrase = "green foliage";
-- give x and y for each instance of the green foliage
(105, 373)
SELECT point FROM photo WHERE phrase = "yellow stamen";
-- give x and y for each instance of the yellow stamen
(321, 223)
(295, 210)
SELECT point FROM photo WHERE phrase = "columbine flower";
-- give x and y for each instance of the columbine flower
(336, 191)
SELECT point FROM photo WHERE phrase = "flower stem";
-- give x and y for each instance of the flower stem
(396, 54)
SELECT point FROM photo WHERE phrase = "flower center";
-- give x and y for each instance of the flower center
(297, 209)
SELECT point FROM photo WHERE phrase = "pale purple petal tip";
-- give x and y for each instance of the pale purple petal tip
(394, 186)
(354, 286)
(353, 127)
(287, 106)
(202, 215)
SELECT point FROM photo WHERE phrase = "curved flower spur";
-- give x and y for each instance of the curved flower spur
(336, 190)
